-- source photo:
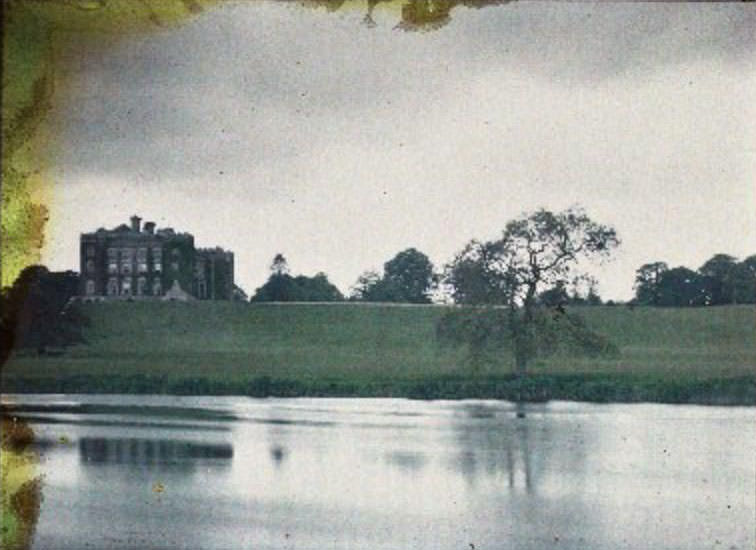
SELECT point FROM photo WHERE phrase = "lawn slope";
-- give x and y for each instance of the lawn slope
(701, 355)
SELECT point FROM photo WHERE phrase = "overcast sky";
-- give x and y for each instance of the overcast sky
(265, 127)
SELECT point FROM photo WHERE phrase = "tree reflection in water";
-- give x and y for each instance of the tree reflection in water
(278, 454)
(409, 461)
(494, 443)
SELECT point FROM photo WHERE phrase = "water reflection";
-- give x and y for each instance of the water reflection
(101, 450)
(122, 422)
(408, 461)
(401, 474)
(493, 443)
(477, 410)
(152, 411)
(278, 454)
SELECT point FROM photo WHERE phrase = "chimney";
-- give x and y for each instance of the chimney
(135, 223)
(149, 227)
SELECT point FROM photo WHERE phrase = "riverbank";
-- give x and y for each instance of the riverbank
(596, 388)
(666, 355)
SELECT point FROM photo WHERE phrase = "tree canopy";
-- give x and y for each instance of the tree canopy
(539, 251)
(282, 287)
(536, 252)
(722, 279)
(37, 311)
(279, 265)
(408, 277)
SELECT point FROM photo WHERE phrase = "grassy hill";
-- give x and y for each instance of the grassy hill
(675, 355)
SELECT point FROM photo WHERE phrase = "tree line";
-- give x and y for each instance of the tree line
(515, 286)
(721, 280)
(408, 277)
(282, 287)
(469, 279)
(37, 311)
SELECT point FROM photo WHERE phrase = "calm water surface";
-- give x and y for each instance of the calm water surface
(228, 472)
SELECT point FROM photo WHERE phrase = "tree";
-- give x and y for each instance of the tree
(536, 251)
(744, 281)
(584, 292)
(282, 287)
(592, 298)
(408, 277)
(556, 296)
(719, 271)
(315, 289)
(474, 276)
(367, 287)
(37, 311)
(279, 265)
(278, 287)
(647, 279)
(681, 286)
(720, 280)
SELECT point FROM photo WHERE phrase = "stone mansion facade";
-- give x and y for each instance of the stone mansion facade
(132, 261)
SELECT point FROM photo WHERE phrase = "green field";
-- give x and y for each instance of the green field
(702, 355)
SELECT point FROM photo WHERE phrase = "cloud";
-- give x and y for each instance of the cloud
(310, 134)
(247, 83)
(579, 43)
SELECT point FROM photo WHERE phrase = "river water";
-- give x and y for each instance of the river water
(233, 472)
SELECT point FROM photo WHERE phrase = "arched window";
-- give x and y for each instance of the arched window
(90, 266)
(141, 286)
(126, 286)
(157, 288)
(90, 288)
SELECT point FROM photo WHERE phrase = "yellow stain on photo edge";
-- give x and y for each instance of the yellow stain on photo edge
(33, 30)
(21, 485)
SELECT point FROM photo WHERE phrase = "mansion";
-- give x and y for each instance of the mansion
(132, 261)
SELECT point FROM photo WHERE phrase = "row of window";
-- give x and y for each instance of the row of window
(141, 253)
(126, 287)
(142, 267)
(112, 252)
(126, 266)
